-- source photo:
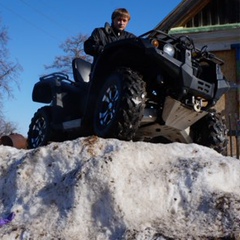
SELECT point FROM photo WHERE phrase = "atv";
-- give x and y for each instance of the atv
(154, 88)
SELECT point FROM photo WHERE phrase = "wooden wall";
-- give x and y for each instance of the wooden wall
(228, 105)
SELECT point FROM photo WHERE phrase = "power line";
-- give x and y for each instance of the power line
(29, 22)
(46, 16)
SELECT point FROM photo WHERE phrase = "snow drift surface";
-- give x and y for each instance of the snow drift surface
(92, 188)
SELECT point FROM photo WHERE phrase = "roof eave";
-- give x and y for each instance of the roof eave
(182, 14)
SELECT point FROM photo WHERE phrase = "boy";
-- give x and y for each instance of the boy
(94, 45)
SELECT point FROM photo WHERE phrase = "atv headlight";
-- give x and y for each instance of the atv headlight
(169, 49)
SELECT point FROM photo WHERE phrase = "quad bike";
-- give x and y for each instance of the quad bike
(155, 88)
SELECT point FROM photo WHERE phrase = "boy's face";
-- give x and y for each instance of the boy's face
(120, 23)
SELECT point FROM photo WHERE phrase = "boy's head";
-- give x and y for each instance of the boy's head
(120, 18)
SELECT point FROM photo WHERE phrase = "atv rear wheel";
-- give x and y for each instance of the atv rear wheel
(120, 105)
(39, 133)
(211, 131)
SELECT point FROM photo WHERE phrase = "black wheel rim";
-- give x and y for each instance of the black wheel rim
(39, 132)
(108, 106)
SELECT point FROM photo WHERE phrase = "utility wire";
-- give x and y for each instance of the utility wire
(46, 16)
(29, 22)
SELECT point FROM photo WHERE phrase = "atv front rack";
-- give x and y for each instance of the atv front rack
(56, 75)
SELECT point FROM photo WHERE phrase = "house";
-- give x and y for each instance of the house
(215, 23)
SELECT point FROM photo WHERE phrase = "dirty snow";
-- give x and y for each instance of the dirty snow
(92, 188)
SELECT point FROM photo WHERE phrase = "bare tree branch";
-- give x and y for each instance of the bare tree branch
(73, 47)
(8, 75)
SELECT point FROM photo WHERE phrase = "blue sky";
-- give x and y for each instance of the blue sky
(36, 28)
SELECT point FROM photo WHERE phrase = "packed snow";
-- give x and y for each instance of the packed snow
(106, 189)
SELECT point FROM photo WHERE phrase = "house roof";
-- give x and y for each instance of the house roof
(186, 10)
(198, 13)
(212, 22)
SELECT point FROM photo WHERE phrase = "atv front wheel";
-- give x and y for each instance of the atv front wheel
(120, 105)
(39, 133)
(211, 131)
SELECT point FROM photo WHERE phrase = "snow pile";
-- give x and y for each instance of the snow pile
(92, 188)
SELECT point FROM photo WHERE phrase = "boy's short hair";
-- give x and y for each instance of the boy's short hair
(121, 12)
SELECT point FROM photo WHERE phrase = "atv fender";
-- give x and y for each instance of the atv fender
(42, 91)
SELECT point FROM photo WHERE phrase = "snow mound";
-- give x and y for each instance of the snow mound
(106, 189)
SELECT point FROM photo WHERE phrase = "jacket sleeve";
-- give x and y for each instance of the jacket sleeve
(93, 45)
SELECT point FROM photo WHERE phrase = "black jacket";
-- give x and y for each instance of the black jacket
(94, 45)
